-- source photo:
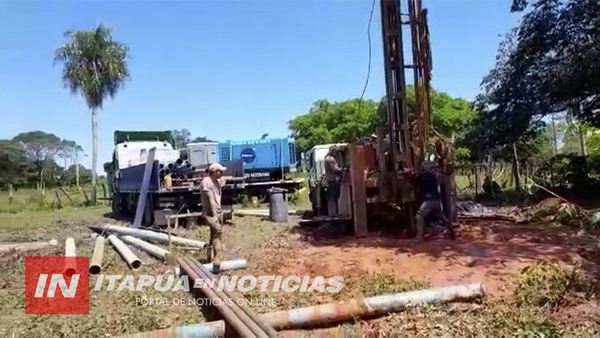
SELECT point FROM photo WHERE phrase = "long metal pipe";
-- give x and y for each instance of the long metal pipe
(335, 312)
(227, 313)
(96, 260)
(70, 261)
(259, 321)
(151, 235)
(152, 249)
(247, 320)
(129, 257)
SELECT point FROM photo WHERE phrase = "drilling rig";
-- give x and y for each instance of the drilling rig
(378, 183)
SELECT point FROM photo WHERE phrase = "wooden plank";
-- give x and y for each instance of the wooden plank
(139, 213)
(345, 201)
(358, 186)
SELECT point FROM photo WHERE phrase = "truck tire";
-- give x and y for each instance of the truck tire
(116, 206)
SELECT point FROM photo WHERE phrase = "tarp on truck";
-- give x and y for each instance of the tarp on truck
(122, 136)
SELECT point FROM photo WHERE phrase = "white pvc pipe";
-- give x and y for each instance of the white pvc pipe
(96, 259)
(235, 264)
(70, 261)
(229, 265)
(152, 236)
(129, 257)
(152, 249)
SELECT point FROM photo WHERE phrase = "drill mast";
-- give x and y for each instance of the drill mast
(408, 129)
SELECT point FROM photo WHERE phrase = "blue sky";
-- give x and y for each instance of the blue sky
(225, 69)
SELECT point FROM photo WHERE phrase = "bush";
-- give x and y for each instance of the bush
(571, 174)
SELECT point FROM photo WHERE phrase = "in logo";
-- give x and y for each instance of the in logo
(57, 285)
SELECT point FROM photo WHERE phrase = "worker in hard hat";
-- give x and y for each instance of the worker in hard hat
(212, 211)
(428, 181)
(332, 176)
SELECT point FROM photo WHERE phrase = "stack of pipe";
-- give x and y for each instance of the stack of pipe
(245, 322)
(180, 169)
(119, 235)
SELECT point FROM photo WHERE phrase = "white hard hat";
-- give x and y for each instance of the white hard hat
(216, 166)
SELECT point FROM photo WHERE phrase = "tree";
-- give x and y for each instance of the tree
(332, 122)
(201, 139)
(12, 163)
(40, 148)
(182, 138)
(94, 66)
(548, 64)
(328, 122)
(67, 151)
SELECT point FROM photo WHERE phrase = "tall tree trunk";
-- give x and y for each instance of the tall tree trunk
(40, 176)
(77, 169)
(581, 140)
(94, 152)
(554, 135)
(580, 130)
(516, 168)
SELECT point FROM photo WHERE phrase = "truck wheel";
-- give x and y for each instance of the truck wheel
(115, 206)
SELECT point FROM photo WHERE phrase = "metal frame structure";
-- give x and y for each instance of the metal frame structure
(378, 171)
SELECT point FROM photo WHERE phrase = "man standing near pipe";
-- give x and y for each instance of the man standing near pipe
(212, 211)
(332, 175)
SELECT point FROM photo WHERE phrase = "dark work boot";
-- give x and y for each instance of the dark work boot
(209, 253)
(216, 262)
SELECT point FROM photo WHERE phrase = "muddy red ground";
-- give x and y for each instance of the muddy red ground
(484, 251)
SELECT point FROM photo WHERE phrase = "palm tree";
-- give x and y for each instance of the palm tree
(94, 66)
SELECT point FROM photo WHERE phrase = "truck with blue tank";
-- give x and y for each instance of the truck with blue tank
(174, 184)
(267, 162)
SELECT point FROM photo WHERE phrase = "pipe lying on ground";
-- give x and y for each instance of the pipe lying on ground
(129, 257)
(235, 264)
(264, 327)
(251, 321)
(4, 247)
(152, 249)
(96, 261)
(334, 312)
(225, 310)
(262, 212)
(70, 260)
(150, 235)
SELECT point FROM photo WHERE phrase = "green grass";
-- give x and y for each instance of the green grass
(10, 222)
(28, 200)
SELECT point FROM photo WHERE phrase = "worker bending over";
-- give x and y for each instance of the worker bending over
(428, 181)
(332, 175)
(212, 211)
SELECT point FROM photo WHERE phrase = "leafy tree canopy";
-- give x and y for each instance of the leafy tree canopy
(184, 136)
(547, 64)
(94, 65)
(332, 122)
